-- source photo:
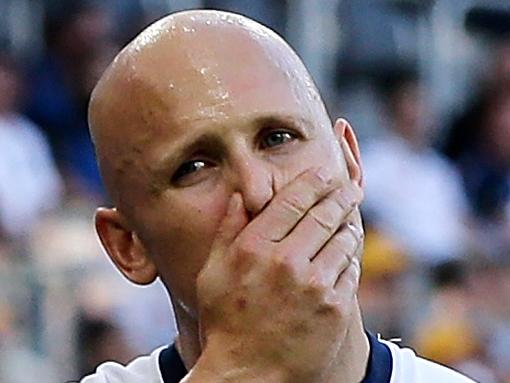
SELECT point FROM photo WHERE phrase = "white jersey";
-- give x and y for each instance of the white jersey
(387, 363)
(407, 367)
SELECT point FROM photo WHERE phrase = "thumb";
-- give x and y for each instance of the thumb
(234, 221)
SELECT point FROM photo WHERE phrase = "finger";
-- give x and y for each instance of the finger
(348, 281)
(336, 256)
(344, 293)
(234, 221)
(323, 220)
(291, 204)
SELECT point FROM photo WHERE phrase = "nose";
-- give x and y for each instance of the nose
(253, 178)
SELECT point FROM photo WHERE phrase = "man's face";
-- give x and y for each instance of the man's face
(228, 115)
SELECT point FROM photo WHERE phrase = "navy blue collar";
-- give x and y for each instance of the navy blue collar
(379, 367)
(171, 365)
(380, 362)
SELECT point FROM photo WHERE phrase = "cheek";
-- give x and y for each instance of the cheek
(332, 156)
(180, 237)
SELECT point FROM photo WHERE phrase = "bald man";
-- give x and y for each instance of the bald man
(231, 184)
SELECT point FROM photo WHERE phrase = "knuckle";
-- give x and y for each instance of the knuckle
(316, 284)
(330, 309)
(347, 240)
(324, 219)
(341, 304)
(294, 204)
(320, 178)
(344, 200)
(249, 247)
(343, 242)
(316, 288)
(283, 265)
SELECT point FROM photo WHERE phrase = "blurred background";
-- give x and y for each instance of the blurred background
(425, 83)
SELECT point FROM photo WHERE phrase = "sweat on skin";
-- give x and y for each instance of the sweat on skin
(224, 167)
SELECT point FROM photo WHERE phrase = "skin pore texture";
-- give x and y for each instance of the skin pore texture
(231, 184)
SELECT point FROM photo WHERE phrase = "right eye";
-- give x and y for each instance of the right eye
(277, 138)
(188, 169)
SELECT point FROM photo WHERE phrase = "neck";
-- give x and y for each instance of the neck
(350, 364)
(188, 340)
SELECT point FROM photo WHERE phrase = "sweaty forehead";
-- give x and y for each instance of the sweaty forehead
(207, 68)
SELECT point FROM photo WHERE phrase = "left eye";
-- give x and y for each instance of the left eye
(277, 138)
(189, 169)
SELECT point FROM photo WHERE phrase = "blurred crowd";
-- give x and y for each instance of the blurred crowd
(436, 272)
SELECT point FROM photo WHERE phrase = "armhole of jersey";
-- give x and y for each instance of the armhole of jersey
(171, 367)
(380, 362)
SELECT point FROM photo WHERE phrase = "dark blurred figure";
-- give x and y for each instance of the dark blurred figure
(413, 194)
(489, 293)
(449, 333)
(79, 44)
(479, 143)
(98, 340)
(29, 181)
(29, 187)
(272, 13)
(381, 293)
(467, 126)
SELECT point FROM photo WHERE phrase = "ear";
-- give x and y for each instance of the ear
(124, 247)
(349, 144)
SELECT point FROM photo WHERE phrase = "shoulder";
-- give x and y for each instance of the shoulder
(408, 367)
(144, 368)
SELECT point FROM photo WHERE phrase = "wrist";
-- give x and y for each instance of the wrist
(221, 363)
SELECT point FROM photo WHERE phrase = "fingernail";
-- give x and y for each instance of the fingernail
(357, 233)
(352, 227)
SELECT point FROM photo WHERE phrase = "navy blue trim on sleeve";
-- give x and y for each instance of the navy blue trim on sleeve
(380, 362)
(171, 366)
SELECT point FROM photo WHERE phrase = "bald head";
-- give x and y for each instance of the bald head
(201, 106)
(189, 68)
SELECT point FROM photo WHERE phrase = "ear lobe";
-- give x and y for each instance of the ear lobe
(349, 144)
(124, 247)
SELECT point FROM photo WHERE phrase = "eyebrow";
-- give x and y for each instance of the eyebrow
(211, 140)
(208, 141)
(281, 119)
